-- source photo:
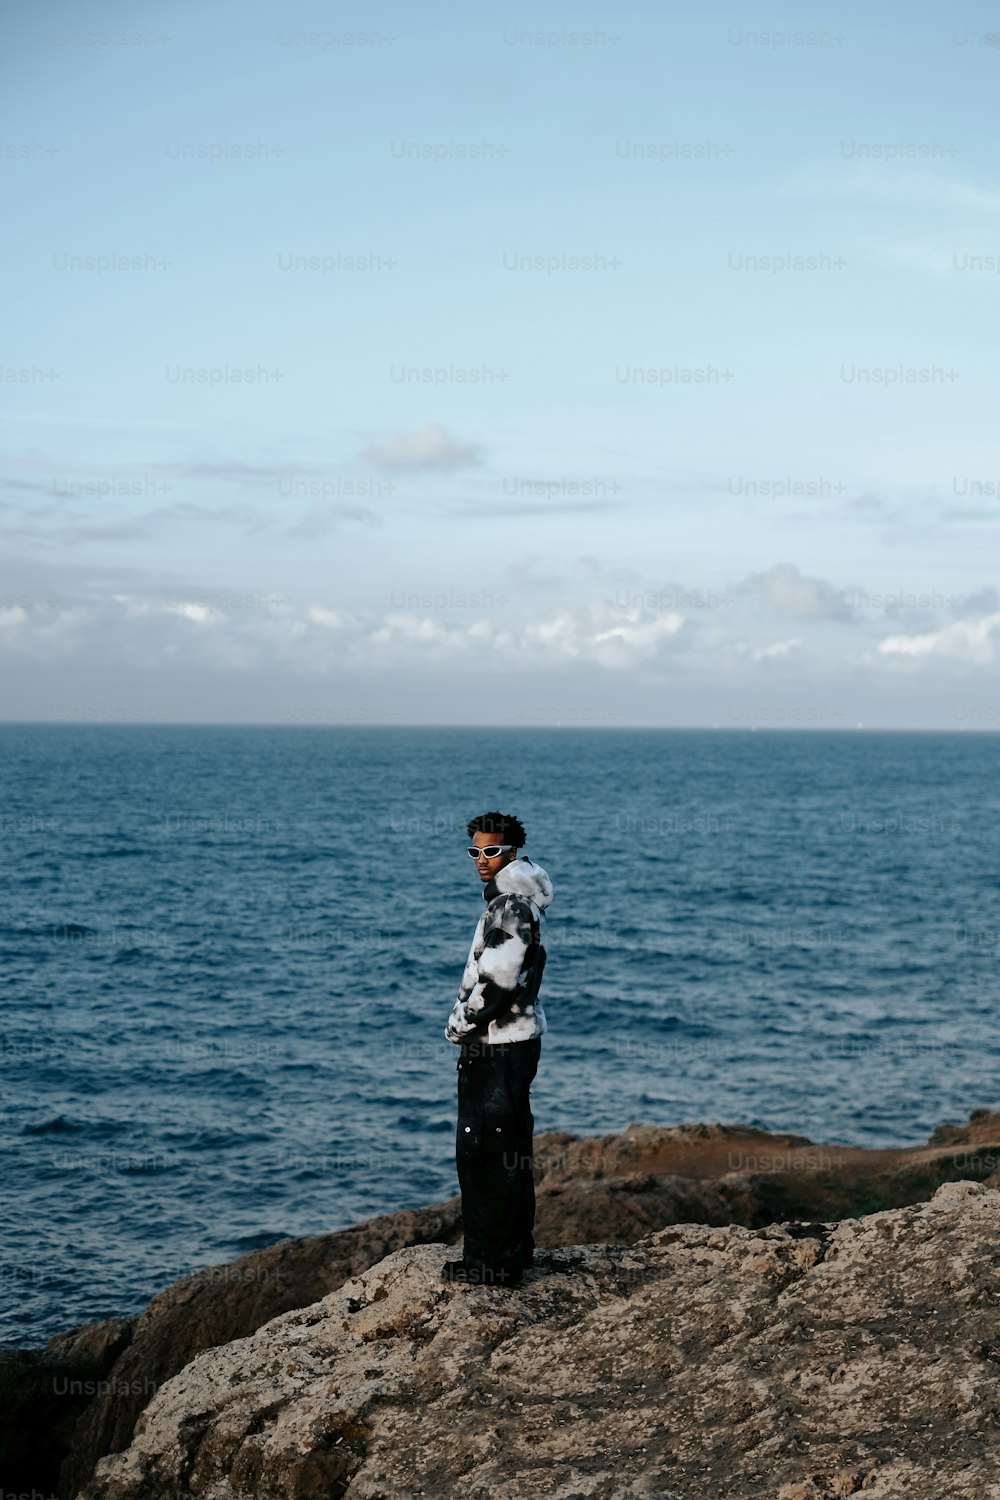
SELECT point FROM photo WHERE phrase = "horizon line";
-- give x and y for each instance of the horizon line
(491, 729)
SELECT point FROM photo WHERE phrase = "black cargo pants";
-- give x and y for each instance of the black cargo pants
(493, 1151)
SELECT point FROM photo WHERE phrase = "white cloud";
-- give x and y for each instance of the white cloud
(640, 638)
(330, 619)
(412, 628)
(966, 640)
(201, 614)
(581, 638)
(779, 648)
(429, 449)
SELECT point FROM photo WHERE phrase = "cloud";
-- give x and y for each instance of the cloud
(71, 522)
(788, 592)
(233, 470)
(207, 631)
(201, 614)
(779, 648)
(983, 601)
(246, 517)
(523, 574)
(636, 639)
(428, 450)
(971, 517)
(330, 619)
(966, 640)
(488, 510)
(78, 471)
(27, 485)
(323, 519)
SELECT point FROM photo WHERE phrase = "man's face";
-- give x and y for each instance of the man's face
(489, 867)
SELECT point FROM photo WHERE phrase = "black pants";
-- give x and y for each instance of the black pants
(493, 1151)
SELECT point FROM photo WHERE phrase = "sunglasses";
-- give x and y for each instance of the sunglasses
(490, 850)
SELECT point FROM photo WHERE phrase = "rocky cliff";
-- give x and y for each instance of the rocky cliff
(79, 1398)
(699, 1363)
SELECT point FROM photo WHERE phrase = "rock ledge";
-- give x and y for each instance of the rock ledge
(795, 1361)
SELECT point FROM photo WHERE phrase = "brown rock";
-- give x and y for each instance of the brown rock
(700, 1362)
(981, 1128)
(42, 1395)
(612, 1189)
(223, 1302)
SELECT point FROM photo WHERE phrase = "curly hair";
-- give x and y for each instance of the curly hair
(505, 826)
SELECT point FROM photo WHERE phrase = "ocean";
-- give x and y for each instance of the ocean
(229, 954)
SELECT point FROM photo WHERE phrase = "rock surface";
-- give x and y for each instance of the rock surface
(612, 1189)
(223, 1302)
(43, 1393)
(791, 1361)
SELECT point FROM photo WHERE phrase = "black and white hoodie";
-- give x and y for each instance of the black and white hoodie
(502, 960)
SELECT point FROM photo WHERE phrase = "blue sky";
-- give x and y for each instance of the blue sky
(632, 366)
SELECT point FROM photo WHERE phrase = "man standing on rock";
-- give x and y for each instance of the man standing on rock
(498, 1021)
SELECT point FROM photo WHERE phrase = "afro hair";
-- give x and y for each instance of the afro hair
(507, 828)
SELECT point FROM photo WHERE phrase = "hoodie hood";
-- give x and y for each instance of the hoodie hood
(522, 877)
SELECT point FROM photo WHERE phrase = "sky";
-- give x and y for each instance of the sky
(627, 366)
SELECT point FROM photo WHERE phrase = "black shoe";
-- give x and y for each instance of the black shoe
(456, 1270)
(477, 1273)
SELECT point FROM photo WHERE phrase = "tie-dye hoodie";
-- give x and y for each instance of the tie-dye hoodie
(502, 960)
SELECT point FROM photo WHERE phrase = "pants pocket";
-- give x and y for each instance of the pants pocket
(469, 1138)
(500, 1139)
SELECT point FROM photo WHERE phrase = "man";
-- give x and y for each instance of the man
(498, 1022)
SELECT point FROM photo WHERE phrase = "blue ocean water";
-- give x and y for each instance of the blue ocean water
(229, 954)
